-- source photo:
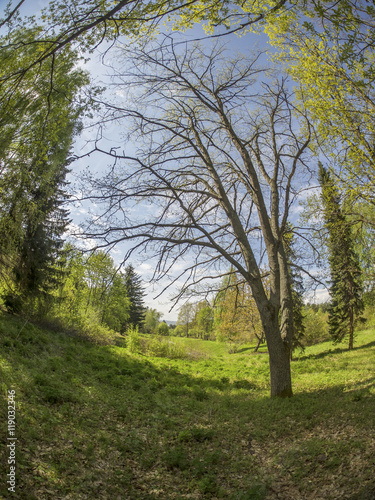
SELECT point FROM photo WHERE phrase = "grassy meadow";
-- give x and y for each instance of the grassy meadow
(100, 422)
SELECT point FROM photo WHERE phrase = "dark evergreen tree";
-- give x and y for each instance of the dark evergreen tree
(297, 291)
(135, 292)
(36, 273)
(346, 283)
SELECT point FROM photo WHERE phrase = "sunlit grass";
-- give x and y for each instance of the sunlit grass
(100, 422)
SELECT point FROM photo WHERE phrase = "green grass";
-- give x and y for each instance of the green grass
(99, 422)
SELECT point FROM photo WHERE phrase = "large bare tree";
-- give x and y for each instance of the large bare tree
(220, 159)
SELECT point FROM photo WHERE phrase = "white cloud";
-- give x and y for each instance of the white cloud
(75, 233)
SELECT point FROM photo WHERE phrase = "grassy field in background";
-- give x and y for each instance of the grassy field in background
(97, 422)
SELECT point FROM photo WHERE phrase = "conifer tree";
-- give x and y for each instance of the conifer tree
(135, 292)
(297, 290)
(346, 284)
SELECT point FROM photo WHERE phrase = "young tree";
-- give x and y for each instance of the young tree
(152, 320)
(237, 317)
(186, 317)
(163, 329)
(221, 176)
(92, 289)
(205, 319)
(346, 283)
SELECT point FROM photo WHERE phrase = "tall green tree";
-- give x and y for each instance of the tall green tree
(346, 281)
(135, 293)
(297, 290)
(92, 290)
(39, 118)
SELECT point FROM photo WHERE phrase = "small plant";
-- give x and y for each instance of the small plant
(175, 459)
(162, 347)
(200, 394)
(195, 434)
(207, 485)
(233, 347)
(256, 492)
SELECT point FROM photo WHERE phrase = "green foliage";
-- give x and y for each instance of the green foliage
(316, 326)
(91, 299)
(297, 291)
(133, 339)
(176, 459)
(39, 119)
(166, 348)
(151, 321)
(73, 394)
(135, 293)
(236, 317)
(346, 282)
(163, 329)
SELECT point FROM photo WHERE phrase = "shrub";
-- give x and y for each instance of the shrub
(165, 348)
(133, 340)
(158, 347)
(233, 347)
(179, 331)
(316, 327)
(163, 329)
(175, 459)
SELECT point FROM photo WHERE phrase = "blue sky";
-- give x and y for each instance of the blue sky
(99, 163)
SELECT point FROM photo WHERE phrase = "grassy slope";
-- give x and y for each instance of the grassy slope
(97, 422)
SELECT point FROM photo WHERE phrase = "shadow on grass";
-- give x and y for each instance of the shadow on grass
(94, 422)
(337, 350)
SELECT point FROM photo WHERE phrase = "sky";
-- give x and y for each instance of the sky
(98, 68)
(80, 211)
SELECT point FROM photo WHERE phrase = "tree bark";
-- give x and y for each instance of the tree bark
(351, 328)
(279, 356)
(281, 379)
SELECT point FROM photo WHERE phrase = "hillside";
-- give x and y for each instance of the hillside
(100, 422)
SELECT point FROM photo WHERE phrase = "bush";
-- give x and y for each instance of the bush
(134, 343)
(233, 347)
(164, 348)
(316, 327)
(179, 331)
(157, 347)
(163, 329)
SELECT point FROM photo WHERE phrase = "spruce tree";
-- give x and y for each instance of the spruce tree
(346, 283)
(135, 292)
(297, 290)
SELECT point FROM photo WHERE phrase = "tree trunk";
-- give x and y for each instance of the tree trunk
(279, 357)
(351, 328)
(261, 340)
(281, 379)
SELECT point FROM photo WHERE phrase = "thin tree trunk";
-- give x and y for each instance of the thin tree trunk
(261, 340)
(351, 329)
